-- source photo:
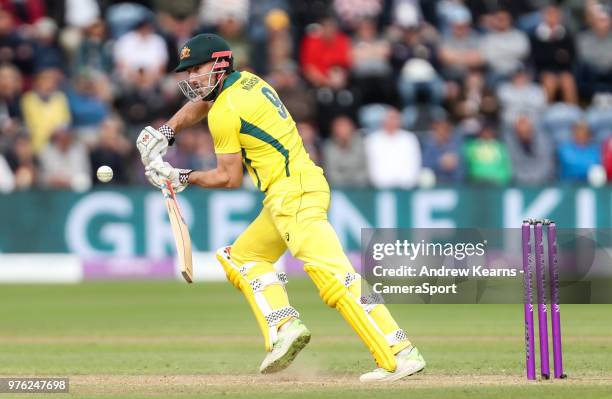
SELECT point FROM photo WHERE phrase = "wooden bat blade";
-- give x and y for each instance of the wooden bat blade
(180, 231)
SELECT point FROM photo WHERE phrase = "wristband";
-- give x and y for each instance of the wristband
(168, 132)
(184, 175)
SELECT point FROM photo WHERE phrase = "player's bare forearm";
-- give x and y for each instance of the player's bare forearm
(227, 174)
(213, 178)
(189, 114)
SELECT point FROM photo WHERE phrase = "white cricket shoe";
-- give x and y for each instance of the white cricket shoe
(292, 338)
(409, 362)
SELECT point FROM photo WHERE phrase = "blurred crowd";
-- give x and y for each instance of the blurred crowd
(385, 93)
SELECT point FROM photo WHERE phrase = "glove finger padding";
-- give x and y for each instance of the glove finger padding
(155, 179)
(151, 144)
(162, 168)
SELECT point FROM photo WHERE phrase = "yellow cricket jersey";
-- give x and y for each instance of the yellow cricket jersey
(248, 117)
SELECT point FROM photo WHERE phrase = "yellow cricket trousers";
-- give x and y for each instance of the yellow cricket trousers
(294, 216)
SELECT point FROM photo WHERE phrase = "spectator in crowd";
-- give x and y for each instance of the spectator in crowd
(406, 13)
(45, 108)
(325, 55)
(460, 50)
(553, 53)
(73, 18)
(177, 22)
(445, 57)
(344, 155)
(7, 180)
(520, 96)
(87, 105)
(232, 29)
(419, 83)
(74, 14)
(487, 159)
(230, 19)
(310, 138)
(123, 17)
(595, 54)
(325, 62)
(10, 91)
(213, 11)
(445, 12)
(25, 13)
(94, 52)
(141, 53)
(531, 152)
(393, 155)
(414, 58)
(14, 49)
(577, 156)
(112, 150)
(23, 162)
(64, 163)
(474, 99)
(142, 102)
(270, 31)
(297, 98)
(371, 70)
(351, 14)
(47, 52)
(179, 10)
(279, 44)
(442, 152)
(485, 11)
(519, 8)
(505, 47)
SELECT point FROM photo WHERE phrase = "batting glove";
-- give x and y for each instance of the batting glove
(153, 143)
(160, 172)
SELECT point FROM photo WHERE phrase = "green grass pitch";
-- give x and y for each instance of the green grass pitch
(169, 339)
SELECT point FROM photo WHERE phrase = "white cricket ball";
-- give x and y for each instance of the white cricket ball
(104, 174)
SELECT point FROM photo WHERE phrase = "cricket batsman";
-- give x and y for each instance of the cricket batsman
(250, 126)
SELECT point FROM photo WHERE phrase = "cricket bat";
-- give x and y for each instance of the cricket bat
(180, 232)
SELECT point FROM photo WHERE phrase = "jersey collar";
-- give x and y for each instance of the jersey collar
(230, 79)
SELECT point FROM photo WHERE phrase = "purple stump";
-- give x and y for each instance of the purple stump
(541, 295)
(555, 309)
(528, 306)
